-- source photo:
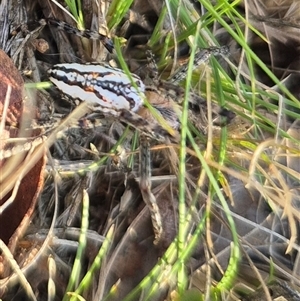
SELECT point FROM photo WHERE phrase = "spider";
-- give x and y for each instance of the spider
(110, 91)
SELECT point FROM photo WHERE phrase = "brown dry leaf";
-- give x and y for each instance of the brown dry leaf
(135, 255)
(15, 217)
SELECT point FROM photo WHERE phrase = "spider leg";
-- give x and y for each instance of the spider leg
(145, 187)
(89, 34)
(146, 124)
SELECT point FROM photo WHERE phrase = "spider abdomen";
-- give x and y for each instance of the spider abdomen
(107, 89)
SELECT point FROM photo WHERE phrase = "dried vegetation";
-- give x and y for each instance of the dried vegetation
(98, 161)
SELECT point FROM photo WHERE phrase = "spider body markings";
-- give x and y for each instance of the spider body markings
(107, 89)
